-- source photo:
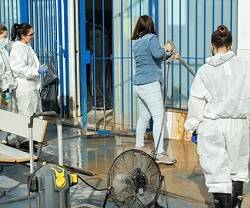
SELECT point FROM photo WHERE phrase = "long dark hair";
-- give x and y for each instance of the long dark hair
(3, 28)
(144, 25)
(221, 37)
(19, 30)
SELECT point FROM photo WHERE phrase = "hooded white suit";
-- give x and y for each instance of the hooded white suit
(7, 80)
(25, 64)
(219, 108)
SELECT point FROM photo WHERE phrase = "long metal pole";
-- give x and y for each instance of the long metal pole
(31, 150)
(60, 143)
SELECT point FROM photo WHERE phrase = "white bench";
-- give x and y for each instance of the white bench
(18, 124)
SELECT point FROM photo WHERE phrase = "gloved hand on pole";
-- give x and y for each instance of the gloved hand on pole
(174, 55)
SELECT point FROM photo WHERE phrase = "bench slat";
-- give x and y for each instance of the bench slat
(18, 124)
(10, 154)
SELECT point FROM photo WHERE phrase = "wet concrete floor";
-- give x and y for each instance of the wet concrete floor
(184, 182)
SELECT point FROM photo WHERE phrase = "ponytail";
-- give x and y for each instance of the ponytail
(221, 37)
(14, 30)
(19, 30)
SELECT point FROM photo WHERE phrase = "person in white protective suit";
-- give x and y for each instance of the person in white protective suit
(26, 69)
(218, 109)
(7, 81)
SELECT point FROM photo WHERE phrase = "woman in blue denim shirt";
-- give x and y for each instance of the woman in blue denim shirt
(148, 57)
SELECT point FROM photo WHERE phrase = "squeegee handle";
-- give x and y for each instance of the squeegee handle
(183, 62)
(188, 67)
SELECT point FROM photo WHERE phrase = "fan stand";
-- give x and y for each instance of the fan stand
(108, 193)
(156, 205)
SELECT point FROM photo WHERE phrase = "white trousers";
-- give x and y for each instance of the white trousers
(28, 102)
(223, 148)
(150, 104)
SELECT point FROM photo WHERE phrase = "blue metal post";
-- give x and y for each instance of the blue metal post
(156, 15)
(196, 35)
(36, 22)
(222, 11)
(4, 13)
(112, 59)
(66, 55)
(188, 44)
(131, 67)
(83, 61)
(149, 7)
(103, 64)
(8, 6)
(140, 8)
(180, 74)
(60, 53)
(172, 38)
(12, 6)
(31, 19)
(205, 31)
(24, 11)
(17, 11)
(164, 39)
(42, 15)
(122, 77)
(213, 15)
(46, 29)
(231, 16)
(94, 57)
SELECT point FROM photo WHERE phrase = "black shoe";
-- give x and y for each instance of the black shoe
(222, 200)
(237, 194)
(25, 146)
(14, 145)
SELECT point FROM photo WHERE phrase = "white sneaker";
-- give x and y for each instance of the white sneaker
(163, 158)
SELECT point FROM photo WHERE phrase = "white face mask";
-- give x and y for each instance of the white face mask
(4, 42)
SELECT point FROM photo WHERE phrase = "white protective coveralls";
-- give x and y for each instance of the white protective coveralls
(218, 108)
(25, 64)
(7, 80)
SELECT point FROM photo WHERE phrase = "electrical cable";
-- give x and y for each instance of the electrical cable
(29, 185)
(96, 189)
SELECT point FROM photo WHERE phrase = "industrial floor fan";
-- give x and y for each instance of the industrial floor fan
(134, 180)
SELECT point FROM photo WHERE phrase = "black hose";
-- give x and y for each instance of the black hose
(96, 189)
(29, 185)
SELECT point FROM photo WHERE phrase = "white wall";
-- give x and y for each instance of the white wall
(243, 28)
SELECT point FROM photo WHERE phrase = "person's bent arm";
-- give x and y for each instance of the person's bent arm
(18, 59)
(156, 50)
(196, 104)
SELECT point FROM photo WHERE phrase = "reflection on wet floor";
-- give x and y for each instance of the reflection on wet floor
(184, 181)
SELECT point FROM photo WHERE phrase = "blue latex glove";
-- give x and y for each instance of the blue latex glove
(194, 137)
(42, 70)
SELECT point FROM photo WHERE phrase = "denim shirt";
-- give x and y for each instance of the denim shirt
(148, 58)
